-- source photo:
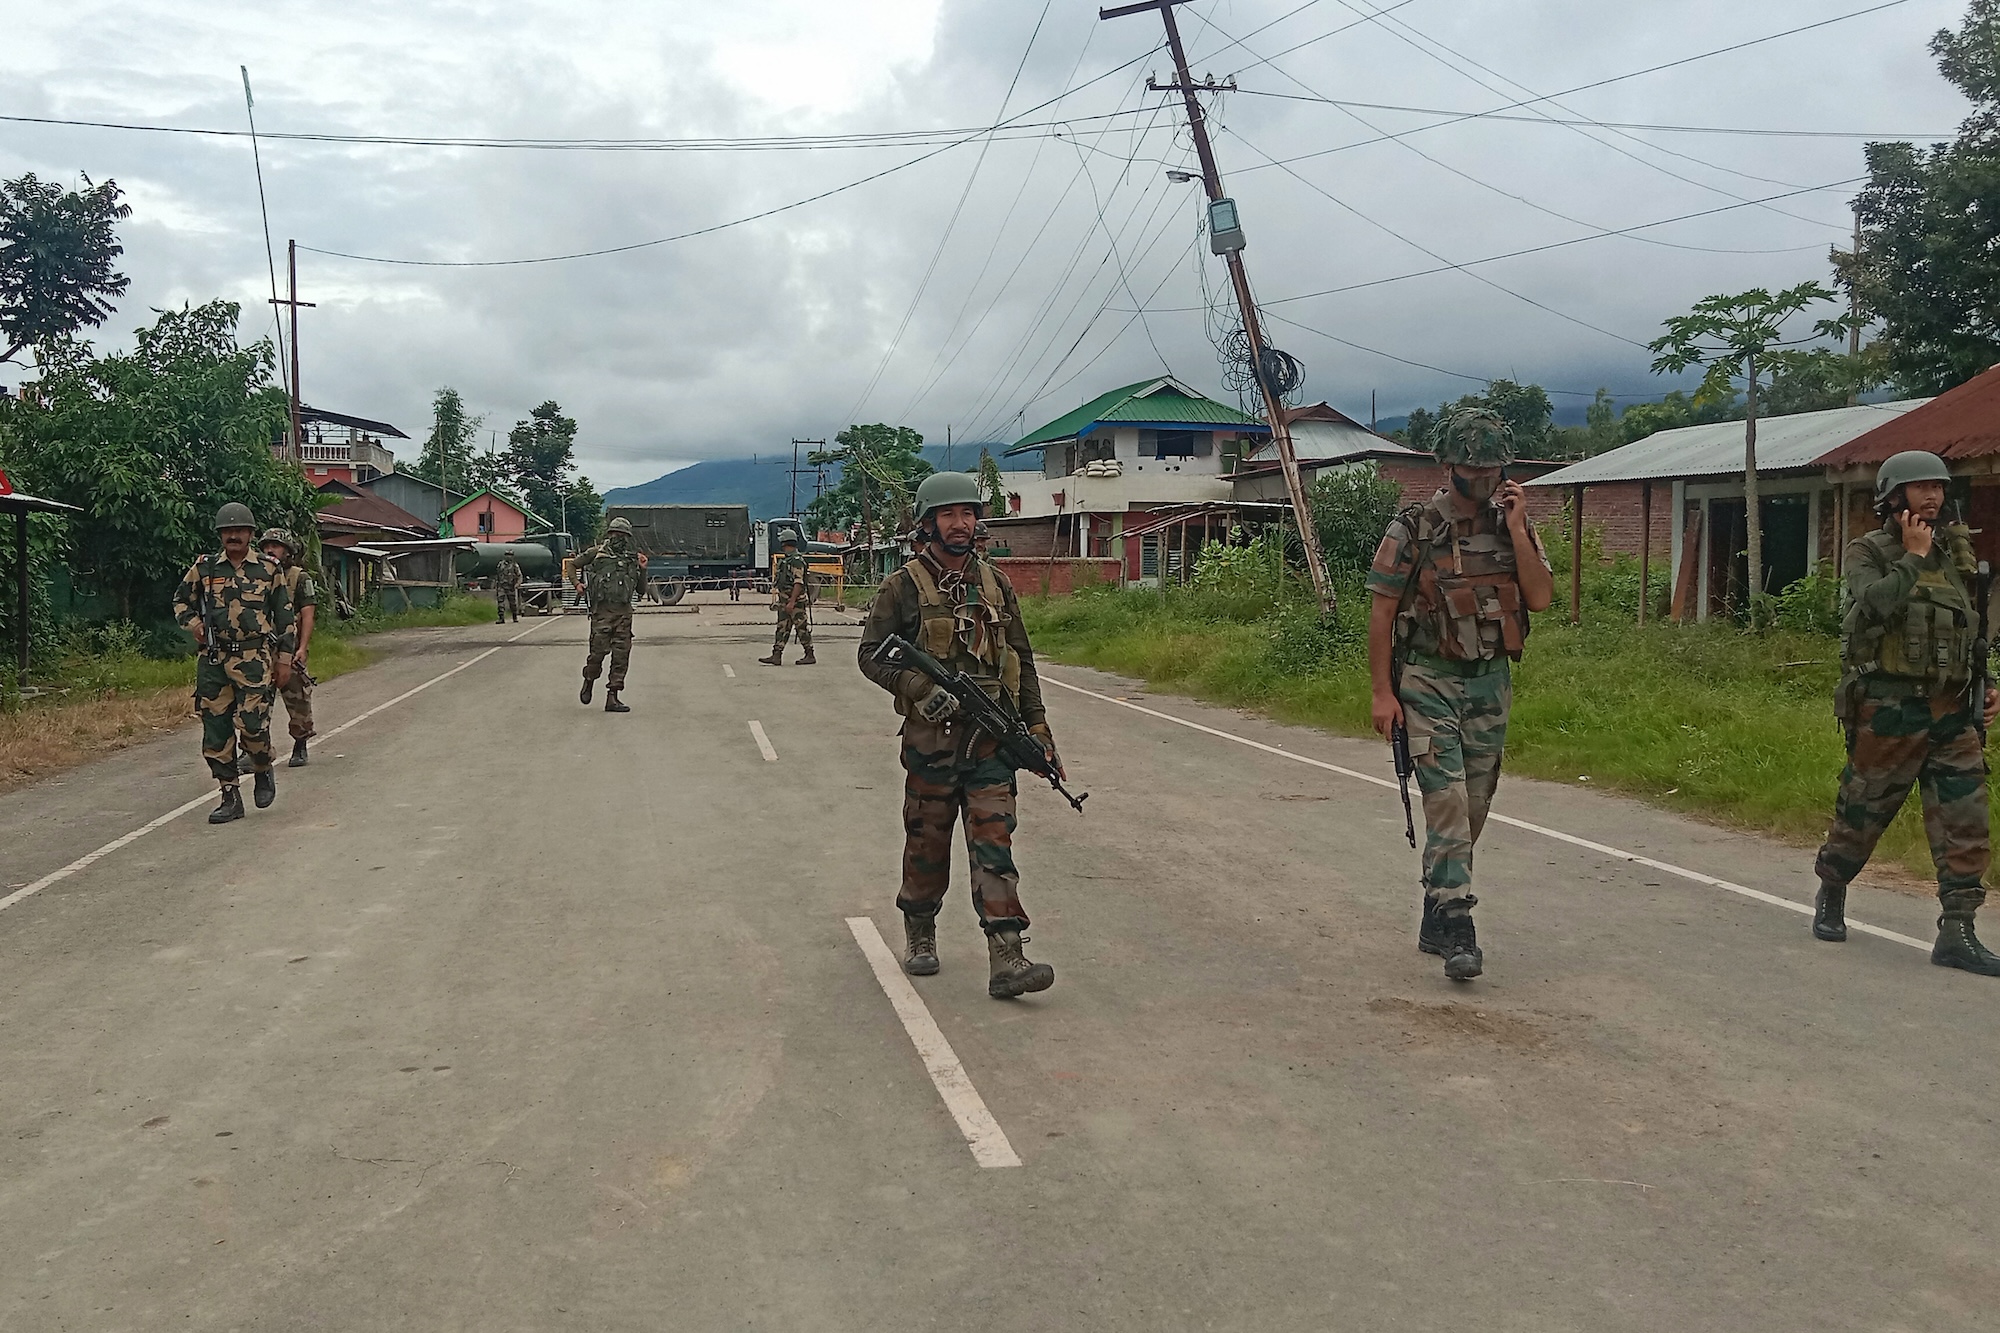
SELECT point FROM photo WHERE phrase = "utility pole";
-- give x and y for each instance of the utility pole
(1274, 410)
(947, 447)
(292, 300)
(796, 470)
(1854, 311)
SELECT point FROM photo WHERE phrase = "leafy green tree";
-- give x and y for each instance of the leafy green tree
(57, 248)
(448, 459)
(149, 445)
(1351, 507)
(582, 511)
(1928, 265)
(539, 458)
(1741, 337)
(880, 467)
(991, 485)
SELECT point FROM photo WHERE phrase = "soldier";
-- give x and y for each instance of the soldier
(239, 609)
(284, 551)
(1909, 647)
(507, 588)
(1453, 583)
(791, 582)
(610, 574)
(963, 611)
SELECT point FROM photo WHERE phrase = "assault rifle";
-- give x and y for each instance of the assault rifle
(1019, 747)
(1399, 749)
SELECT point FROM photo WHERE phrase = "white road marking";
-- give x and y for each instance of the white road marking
(763, 743)
(729, 671)
(89, 859)
(983, 1134)
(1602, 849)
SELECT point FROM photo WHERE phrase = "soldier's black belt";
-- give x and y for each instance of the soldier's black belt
(1452, 667)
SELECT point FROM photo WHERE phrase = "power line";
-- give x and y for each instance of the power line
(264, 211)
(1442, 370)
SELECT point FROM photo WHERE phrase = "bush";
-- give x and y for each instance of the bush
(1351, 508)
(1812, 604)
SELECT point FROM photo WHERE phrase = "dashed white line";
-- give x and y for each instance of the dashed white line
(982, 1132)
(1602, 849)
(729, 671)
(89, 859)
(763, 743)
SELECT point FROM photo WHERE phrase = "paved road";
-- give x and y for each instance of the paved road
(512, 1014)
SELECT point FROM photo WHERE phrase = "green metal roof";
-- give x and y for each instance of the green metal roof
(1162, 401)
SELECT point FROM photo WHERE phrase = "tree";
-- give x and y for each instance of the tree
(447, 459)
(1524, 407)
(582, 511)
(991, 485)
(1673, 411)
(1739, 337)
(150, 445)
(880, 467)
(56, 252)
(539, 459)
(1351, 507)
(1928, 263)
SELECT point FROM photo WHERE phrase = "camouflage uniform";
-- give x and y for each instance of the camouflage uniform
(792, 573)
(1906, 705)
(507, 588)
(611, 577)
(298, 689)
(972, 624)
(247, 613)
(1463, 625)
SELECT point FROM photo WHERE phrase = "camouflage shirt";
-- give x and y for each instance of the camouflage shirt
(248, 608)
(1479, 544)
(508, 575)
(897, 611)
(611, 578)
(791, 571)
(304, 591)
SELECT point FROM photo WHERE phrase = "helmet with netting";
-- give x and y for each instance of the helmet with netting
(284, 538)
(1472, 437)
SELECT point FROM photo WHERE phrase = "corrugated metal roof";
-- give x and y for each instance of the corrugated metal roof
(1959, 423)
(1162, 401)
(1716, 449)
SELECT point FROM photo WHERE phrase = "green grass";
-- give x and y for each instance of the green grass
(1701, 719)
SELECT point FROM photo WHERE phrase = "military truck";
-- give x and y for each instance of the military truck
(690, 546)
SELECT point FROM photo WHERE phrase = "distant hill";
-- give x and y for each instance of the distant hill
(765, 484)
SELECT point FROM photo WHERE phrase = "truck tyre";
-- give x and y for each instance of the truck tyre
(672, 592)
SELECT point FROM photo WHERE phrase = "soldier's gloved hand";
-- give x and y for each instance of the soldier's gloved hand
(1040, 731)
(937, 705)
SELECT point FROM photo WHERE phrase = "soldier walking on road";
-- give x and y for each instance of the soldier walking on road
(239, 609)
(1914, 705)
(1453, 583)
(284, 551)
(611, 573)
(507, 588)
(962, 611)
(792, 585)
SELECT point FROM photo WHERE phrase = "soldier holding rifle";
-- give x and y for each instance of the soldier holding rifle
(791, 583)
(1453, 583)
(959, 610)
(1915, 700)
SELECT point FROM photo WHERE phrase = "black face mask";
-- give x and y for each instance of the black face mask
(1477, 492)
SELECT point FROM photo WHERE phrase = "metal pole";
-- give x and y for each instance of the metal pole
(292, 292)
(1645, 547)
(21, 598)
(1239, 280)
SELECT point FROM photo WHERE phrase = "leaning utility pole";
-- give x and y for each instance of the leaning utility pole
(1232, 255)
(292, 300)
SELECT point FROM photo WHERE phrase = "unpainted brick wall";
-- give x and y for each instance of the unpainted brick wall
(1057, 578)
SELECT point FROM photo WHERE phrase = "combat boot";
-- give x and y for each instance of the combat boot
(1430, 928)
(1958, 947)
(299, 758)
(231, 807)
(808, 659)
(583, 695)
(612, 703)
(920, 945)
(777, 658)
(263, 790)
(1462, 958)
(1830, 912)
(1013, 974)
(245, 764)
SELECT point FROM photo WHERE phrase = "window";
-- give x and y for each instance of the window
(1149, 557)
(1177, 443)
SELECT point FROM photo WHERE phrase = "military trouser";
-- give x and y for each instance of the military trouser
(298, 696)
(507, 600)
(1901, 737)
(946, 782)
(610, 632)
(1456, 713)
(232, 692)
(799, 620)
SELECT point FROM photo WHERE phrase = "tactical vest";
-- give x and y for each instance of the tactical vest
(946, 629)
(1932, 637)
(1466, 605)
(614, 578)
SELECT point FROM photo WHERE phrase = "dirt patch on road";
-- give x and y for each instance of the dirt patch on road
(1434, 1022)
(43, 739)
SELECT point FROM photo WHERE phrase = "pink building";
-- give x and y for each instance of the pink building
(489, 516)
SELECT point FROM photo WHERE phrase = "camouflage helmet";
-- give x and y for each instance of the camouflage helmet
(1906, 467)
(620, 525)
(1472, 437)
(234, 515)
(282, 536)
(941, 489)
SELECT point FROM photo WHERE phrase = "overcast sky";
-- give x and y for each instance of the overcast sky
(734, 342)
